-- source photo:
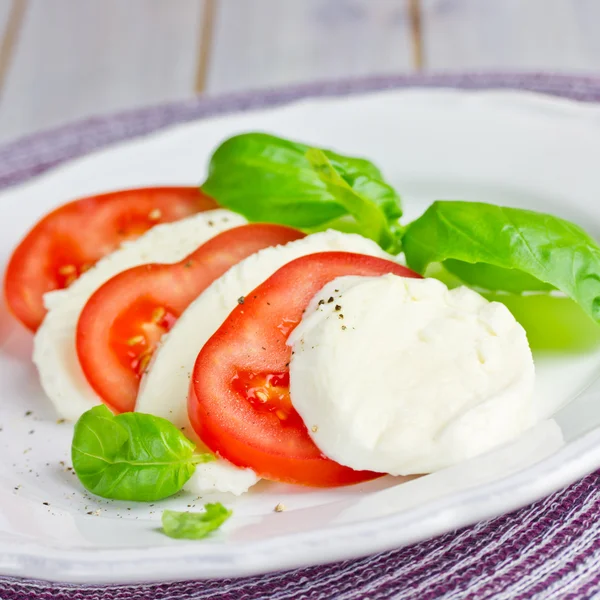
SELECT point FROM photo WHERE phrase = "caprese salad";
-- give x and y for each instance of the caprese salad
(280, 323)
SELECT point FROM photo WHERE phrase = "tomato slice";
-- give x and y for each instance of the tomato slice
(239, 401)
(125, 318)
(70, 239)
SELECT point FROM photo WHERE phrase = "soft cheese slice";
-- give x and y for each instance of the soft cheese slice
(404, 376)
(164, 390)
(54, 344)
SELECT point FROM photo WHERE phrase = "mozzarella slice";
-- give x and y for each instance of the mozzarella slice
(54, 344)
(403, 376)
(164, 389)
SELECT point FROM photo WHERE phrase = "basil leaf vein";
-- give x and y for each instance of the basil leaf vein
(507, 249)
(270, 179)
(131, 456)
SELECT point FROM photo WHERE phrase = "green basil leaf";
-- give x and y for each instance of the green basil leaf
(132, 456)
(529, 248)
(366, 200)
(194, 526)
(270, 179)
(490, 277)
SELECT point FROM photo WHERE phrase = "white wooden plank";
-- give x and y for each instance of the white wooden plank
(11, 17)
(76, 58)
(272, 42)
(511, 34)
(5, 8)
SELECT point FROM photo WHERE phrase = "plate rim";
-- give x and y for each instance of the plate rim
(565, 466)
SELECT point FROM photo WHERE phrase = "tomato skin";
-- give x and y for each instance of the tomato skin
(76, 235)
(124, 319)
(253, 340)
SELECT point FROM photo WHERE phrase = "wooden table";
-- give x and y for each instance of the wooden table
(62, 60)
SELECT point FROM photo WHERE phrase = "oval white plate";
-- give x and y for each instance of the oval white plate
(505, 147)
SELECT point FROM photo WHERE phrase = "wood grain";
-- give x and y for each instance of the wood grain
(416, 33)
(275, 42)
(511, 34)
(70, 59)
(205, 45)
(11, 18)
(76, 58)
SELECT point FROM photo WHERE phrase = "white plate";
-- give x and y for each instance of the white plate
(505, 147)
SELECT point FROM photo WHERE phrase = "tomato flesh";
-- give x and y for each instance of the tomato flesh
(72, 238)
(137, 330)
(268, 393)
(123, 321)
(239, 401)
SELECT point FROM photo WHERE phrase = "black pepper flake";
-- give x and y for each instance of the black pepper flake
(188, 263)
(28, 413)
(211, 223)
(46, 503)
(263, 348)
(336, 291)
(330, 299)
(32, 431)
(337, 307)
(340, 316)
(60, 421)
(287, 364)
(240, 300)
(344, 328)
(321, 302)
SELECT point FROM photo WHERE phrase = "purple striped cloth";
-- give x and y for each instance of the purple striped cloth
(550, 549)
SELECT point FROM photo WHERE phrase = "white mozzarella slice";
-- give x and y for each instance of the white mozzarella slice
(164, 389)
(54, 344)
(404, 376)
(169, 373)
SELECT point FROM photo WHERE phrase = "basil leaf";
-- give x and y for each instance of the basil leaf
(194, 526)
(132, 456)
(270, 179)
(495, 278)
(353, 192)
(527, 250)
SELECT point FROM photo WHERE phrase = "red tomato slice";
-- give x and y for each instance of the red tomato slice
(239, 400)
(124, 319)
(70, 239)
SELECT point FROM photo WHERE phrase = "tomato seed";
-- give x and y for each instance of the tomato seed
(144, 361)
(67, 269)
(262, 396)
(136, 339)
(158, 314)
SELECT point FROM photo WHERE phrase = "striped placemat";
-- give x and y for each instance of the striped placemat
(550, 549)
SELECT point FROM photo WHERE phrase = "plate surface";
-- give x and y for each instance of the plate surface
(511, 148)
